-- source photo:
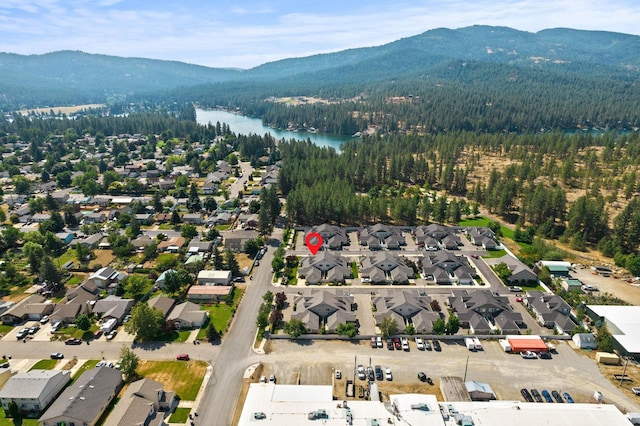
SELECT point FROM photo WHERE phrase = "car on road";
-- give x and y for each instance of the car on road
(515, 289)
(183, 357)
(568, 398)
(544, 355)
(73, 341)
(405, 344)
(338, 374)
(475, 256)
(111, 335)
(526, 395)
(388, 375)
(57, 355)
(378, 370)
(379, 342)
(396, 344)
(519, 299)
(536, 395)
(546, 395)
(436, 346)
(390, 344)
(422, 377)
(556, 395)
(419, 344)
(528, 355)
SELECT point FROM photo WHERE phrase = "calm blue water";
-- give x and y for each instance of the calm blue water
(240, 124)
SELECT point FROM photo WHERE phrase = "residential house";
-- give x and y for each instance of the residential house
(78, 300)
(445, 268)
(385, 267)
(585, 341)
(172, 245)
(248, 221)
(206, 277)
(235, 240)
(162, 278)
(84, 401)
(113, 307)
(550, 310)
(40, 217)
(209, 188)
(324, 310)
(98, 217)
(480, 391)
(33, 307)
(162, 303)
(106, 278)
(33, 390)
(193, 218)
(406, 307)
(91, 241)
(187, 315)
(145, 402)
(478, 310)
(333, 237)
(381, 236)
(325, 267)
(482, 236)
(196, 246)
(142, 242)
(209, 293)
(435, 237)
(222, 218)
(60, 196)
(65, 237)
(521, 274)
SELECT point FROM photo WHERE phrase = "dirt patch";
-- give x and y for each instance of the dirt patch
(243, 260)
(61, 110)
(103, 257)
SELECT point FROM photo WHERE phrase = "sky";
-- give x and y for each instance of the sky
(247, 33)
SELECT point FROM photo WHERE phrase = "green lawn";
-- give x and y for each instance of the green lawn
(493, 254)
(354, 269)
(4, 421)
(221, 313)
(88, 365)
(225, 227)
(180, 415)
(68, 255)
(44, 364)
(4, 329)
(183, 377)
(74, 280)
(166, 227)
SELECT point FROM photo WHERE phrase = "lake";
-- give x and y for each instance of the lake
(241, 124)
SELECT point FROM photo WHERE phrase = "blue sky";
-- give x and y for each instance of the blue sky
(246, 33)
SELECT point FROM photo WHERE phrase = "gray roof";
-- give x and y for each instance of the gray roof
(113, 306)
(139, 405)
(187, 312)
(33, 384)
(86, 399)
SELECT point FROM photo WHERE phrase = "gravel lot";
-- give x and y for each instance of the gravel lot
(313, 362)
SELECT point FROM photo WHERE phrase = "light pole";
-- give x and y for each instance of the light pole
(466, 366)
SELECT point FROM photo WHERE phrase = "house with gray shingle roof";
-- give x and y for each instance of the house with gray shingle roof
(380, 236)
(145, 402)
(478, 310)
(324, 267)
(324, 309)
(445, 268)
(32, 307)
(162, 303)
(113, 307)
(385, 267)
(333, 237)
(550, 310)
(520, 273)
(187, 315)
(83, 402)
(407, 307)
(33, 390)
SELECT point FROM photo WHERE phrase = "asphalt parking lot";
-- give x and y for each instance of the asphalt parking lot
(313, 363)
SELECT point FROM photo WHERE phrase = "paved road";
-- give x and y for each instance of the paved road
(222, 392)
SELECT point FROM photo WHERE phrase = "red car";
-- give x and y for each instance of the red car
(396, 344)
(183, 357)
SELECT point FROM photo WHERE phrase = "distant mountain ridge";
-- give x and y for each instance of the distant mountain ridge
(73, 77)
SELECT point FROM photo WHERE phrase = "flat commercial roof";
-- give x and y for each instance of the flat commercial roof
(623, 323)
(291, 405)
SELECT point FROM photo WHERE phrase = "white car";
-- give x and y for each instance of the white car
(405, 344)
(388, 375)
(419, 343)
(515, 289)
(528, 355)
(361, 372)
(379, 341)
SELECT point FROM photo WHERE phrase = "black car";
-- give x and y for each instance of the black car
(73, 341)
(57, 355)
(422, 377)
(557, 397)
(436, 346)
(379, 375)
(370, 374)
(536, 395)
(390, 344)
(544, 355)
(526, 395)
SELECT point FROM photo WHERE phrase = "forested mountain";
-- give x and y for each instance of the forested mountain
(488, 56)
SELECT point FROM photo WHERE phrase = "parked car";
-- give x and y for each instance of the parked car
(557, 397)
(405, 344)
(111, 334)
(436, 346)
(34, 329)
(396, 344)
(361, 372)
(272, 378)
(515, 289)
(390, 344)
(57, 355)
(338, 374)
(536, 395)
(379, 341)
(183, 357)
(636, 391)
(56, 326)
(519, 299)
(97, 334)
(528, 355)
(427, 346)
(73, 341)
(544, 355)
(44, 319)
(422, 377)
(378, 370)
(546, 395)
(263, 379)
(419, 344)
(568, 398)
(370, 374)
(373, 343)
(22, 333)
(526, 395)
(387, 374)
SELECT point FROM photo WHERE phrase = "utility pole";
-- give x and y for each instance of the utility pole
(466, 366)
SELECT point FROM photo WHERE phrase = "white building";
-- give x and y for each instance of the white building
(34, 390)
(214, 278)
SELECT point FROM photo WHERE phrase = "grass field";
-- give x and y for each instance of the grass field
(183, 377)
(180, 415)
(88, 365)
(4, 421)
(44, 364)
(221, 313)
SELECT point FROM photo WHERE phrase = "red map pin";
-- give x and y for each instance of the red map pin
(313, 242)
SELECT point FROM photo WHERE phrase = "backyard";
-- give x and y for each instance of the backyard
(182, 377)
(221, 313)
